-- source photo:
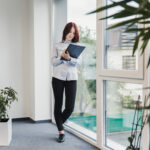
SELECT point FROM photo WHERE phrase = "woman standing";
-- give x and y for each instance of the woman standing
(64, 77)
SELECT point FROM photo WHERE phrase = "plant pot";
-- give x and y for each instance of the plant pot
(5, 133)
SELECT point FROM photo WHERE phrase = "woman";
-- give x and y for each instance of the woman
(64, 77)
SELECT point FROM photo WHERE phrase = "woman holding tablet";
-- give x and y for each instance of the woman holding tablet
(64, 77)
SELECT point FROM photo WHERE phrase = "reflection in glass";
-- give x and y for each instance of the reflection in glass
(119, 45)
(83, 118)
(119, 98)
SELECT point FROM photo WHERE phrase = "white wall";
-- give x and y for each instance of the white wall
(60, 18)
(13, 45)
(24, 55)
(41, 59)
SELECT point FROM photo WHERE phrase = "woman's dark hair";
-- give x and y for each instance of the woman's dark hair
(67, 29)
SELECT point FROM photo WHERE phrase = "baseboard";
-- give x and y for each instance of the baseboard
(30, 120)
(21, 119)
(41, 121)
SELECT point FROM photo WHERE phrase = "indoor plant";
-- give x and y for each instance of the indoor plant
(141, 13)
(7, 96)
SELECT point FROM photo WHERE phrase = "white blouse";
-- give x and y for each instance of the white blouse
(64, 70)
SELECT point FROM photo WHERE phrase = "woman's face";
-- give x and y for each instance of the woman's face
(70, 35)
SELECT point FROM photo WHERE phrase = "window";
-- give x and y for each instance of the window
(119, 96)
(108, 77)
(120, 76)
(83, 118)
(116, 44)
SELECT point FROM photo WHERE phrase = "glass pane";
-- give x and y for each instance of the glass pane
(119, 44)
(83, 118)
(120, 97)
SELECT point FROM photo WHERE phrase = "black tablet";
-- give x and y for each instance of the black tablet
(75, 50)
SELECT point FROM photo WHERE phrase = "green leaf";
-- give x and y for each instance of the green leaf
(144, 22)
(135, 29)
(108, 6)
(129, 8)
(125, 22)
(120, 14)
(148, 63)
(135, 44)
(145, 42)
(131, 24)
(146, 34)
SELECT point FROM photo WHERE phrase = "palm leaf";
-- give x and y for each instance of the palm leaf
(125, 22)
(109, 6)
(142, 10)
(135, 29)
(135, 44)
(146, 34)
(144, 44)
(129, 8)
(148, 63)
(120, 14)
(144, 22)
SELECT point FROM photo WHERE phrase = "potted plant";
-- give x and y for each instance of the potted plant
(7, 96)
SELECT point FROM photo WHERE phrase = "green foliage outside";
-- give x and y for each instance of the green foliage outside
(86, 36)
(86, 91)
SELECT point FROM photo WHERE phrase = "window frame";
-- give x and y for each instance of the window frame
(53, 39)
(101, 75)
(137, 76)
(101, 108)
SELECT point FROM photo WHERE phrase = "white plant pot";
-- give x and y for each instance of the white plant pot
(5, 133)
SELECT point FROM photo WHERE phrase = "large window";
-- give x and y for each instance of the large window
(109, 77)
(117, 44)
(83, 118)
(120, 76)
(119, 98)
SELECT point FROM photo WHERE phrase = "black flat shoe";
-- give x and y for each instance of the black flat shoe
(61, 138)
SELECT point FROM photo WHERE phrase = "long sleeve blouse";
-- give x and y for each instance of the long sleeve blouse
(62, 69)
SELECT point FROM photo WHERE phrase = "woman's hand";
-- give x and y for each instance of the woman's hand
(66, 55)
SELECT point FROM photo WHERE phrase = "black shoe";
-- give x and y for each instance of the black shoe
(61, 138)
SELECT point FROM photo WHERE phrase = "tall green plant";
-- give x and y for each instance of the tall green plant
(141, 11)
(7, 96)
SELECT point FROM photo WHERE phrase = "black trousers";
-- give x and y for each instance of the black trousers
(70, 95)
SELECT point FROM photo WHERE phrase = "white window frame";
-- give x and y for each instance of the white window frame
(140, 76)
(52, 19)
(101, 75)
(101, 108)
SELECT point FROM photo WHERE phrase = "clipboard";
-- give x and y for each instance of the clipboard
(74, 50)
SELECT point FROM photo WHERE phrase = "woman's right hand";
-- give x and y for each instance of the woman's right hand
(63, 53)
(66, 55)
